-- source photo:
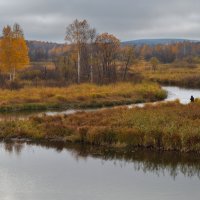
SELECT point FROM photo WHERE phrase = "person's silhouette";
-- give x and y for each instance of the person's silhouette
(192, 99)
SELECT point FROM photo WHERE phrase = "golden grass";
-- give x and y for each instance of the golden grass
(172, 75)
(166, 126)
(84, 95)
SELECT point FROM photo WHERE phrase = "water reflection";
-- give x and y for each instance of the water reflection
(158, 163)
(16, 147)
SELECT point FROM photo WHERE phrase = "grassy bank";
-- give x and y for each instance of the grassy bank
(171, 74)
(79, 96)
(182, 77)
(169, 126)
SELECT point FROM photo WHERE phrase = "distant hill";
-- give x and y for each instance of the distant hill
(153, 42)
(39, 50)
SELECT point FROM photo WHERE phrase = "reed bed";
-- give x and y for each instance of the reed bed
(78, 96)
(165, 126)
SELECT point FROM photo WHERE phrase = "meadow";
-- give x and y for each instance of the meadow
(173, 74)
(165, 127)
(79, 96)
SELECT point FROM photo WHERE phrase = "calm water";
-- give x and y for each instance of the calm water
(34, 172)
(181, 93)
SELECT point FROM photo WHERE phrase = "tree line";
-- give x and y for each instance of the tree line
(169, 53)
(87, 56)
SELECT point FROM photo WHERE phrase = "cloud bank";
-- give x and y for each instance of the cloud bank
(127, 19)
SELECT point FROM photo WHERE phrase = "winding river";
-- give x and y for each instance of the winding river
(173, 93)
(58, 172)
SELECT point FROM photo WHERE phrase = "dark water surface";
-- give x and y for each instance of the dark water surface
(41, 172)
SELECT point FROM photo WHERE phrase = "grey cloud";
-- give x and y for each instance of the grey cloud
(127, 19)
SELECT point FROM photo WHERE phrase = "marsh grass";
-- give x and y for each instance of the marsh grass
(172, 75)
(79, 96)
(166, 126)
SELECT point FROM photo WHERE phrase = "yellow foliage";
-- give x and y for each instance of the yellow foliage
(13, 51)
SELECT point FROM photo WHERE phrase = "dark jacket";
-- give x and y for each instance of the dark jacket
(192, 99)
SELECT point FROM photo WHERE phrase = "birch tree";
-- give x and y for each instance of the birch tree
(77, 34)
(14, 51)
(92, 36)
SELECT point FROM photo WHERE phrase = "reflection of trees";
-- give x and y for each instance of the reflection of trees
(8, 147)
(14, 147)
(18, 147)
(160, 163)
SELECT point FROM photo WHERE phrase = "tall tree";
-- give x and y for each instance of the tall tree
(108, 47)
(92, 36)
(6, 50)
(78, 34)
(127, 57)
(154, 63)
(14, 51)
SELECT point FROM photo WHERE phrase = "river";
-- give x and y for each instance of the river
(173, 93)
(40, 172)
(183, 94)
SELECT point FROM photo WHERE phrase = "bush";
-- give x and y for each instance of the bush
(14, 85)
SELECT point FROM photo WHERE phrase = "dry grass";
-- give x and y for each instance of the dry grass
(167, 126)
(170, 74)
(84, 95)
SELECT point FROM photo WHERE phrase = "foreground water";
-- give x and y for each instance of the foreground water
(30, 172)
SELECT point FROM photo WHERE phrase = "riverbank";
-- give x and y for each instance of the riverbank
(79, 96)
(166, 127)
(170, 75)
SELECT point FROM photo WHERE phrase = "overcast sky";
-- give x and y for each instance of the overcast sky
(127, 19)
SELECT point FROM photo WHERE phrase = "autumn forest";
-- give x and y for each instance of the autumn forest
(87, 56)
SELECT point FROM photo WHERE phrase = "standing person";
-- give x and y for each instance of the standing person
(192, 99)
